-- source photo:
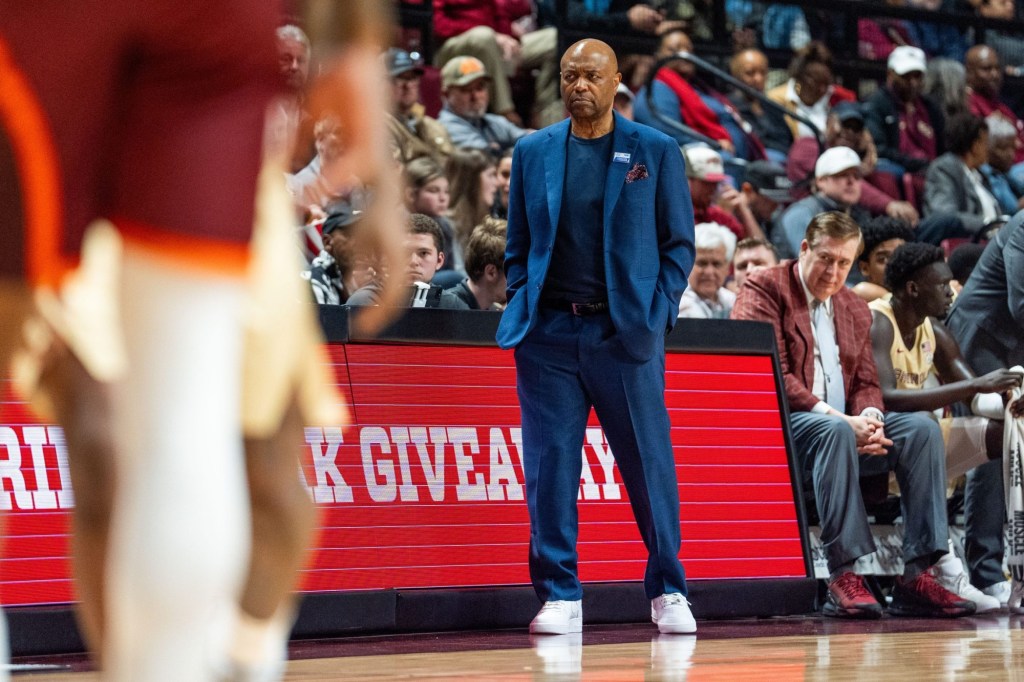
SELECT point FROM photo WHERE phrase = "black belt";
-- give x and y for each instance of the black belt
(578, 309)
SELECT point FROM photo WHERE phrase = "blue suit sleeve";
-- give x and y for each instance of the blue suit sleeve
(675, 230)
(517, 246)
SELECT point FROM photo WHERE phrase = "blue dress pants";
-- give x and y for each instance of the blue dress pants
(565, 366)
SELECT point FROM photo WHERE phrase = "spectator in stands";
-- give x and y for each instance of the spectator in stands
(910, 343)
(484, 288)
(751, 67)
(878, 36)
(474, 183)
(501, 34)
(415, 134)
(707, 298)
(837, 187)
(624, 101)
(943, 41)
(765, 190)
(615, 17)
(987, 320)
(423, 244)
(1003, 144)
(751, 255)
(329, 274)
(955, 186)
(845, 128)
(785, 28)
(679, 94)
(706, 177)
(1008, 45)
(500, 206)
(464, 83)
(839, 430)
(945, 85)
(907, 126)
(811, 90)
(426, 192)
(293, 54)
(984, 75)
(881, 236)
(962, 261)
(311, 187)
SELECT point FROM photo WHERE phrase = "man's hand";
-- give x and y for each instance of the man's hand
(999, 381)
(511, 50)
(870, 434)
(1017, 408)
(644, 18)
(732, 200)
(903, 210)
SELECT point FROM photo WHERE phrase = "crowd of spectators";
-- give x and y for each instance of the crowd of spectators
(929, 154)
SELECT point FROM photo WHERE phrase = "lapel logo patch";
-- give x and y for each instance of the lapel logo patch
(620, 157)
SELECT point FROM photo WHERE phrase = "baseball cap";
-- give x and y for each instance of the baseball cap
(461, 71)
(835, 161)
(625, 92)
(704, 163)
(342, 218)
(905, 59)
(770, 181)
(398, 61)
(848, 111)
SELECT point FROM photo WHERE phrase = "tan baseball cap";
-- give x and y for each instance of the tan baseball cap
(461, 71)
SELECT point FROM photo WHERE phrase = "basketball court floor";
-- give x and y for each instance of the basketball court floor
(790, 648)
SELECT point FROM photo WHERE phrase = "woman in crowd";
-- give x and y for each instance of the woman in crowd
(500, 207)
(426, 192)
(474, 183)
(811, 89)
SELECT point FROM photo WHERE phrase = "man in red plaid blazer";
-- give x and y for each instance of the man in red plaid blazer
(839, 430)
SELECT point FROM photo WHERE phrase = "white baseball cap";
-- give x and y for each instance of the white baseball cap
(906, 59)
(704, 163)
(624, 90)
(835, 161)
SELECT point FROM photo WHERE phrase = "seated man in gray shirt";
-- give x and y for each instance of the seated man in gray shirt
(464, 81)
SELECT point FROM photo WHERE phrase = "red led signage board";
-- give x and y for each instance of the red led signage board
(425, 488)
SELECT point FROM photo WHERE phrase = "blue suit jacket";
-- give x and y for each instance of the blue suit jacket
(648, 231)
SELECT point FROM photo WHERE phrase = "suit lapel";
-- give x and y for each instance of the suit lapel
(801, 316)
(625, 140)
(554, 171)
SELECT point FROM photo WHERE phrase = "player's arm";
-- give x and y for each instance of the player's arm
(959, 382)
(348, 37)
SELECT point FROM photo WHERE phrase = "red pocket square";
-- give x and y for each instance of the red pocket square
(637, 172)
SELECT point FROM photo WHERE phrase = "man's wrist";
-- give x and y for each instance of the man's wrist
(874, 413)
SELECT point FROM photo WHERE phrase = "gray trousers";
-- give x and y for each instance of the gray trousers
(826, 449)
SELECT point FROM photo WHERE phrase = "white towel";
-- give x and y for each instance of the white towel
(1013, 468)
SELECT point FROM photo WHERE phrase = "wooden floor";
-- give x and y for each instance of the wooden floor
(980, 648)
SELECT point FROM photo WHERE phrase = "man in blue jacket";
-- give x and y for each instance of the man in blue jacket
(600, 243)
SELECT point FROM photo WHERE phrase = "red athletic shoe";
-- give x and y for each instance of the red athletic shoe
(849, 597)
(925, 597)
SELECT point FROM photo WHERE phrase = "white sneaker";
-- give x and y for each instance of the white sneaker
(1016, 601)
(558, 618)
(949, 572)
(671, 613)
(1000, 591)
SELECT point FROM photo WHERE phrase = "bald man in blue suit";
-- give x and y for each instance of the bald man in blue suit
(600, 244)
